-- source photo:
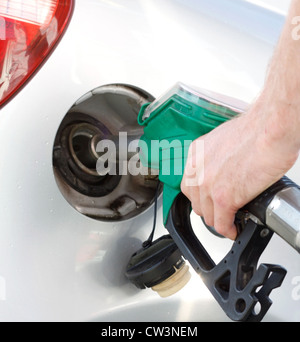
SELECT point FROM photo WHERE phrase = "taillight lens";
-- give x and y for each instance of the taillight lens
(29, 30)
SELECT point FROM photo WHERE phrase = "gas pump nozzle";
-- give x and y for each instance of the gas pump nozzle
(182, 115)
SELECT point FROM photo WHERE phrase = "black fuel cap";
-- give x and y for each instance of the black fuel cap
(155, 263)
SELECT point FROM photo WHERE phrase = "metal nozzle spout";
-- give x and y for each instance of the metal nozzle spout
(283, 216)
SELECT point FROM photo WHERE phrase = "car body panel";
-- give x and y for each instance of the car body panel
(56, 264)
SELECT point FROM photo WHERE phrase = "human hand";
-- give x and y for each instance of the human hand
(242, 158)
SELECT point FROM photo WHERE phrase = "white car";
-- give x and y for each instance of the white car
(70, 69)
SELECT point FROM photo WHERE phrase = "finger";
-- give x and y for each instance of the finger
(195, 198)
(194, 169)
(197, 210)
(207, 209)
(224, 223)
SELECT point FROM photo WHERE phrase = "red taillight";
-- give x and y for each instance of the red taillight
(28, 31)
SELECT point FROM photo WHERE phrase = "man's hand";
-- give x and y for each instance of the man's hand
(246, 155)
(242, 158)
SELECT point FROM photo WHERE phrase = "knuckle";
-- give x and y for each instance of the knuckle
(221, 198)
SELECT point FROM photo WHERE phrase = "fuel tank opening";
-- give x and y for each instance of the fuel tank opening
(95, 145)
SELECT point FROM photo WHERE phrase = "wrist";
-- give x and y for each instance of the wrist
(278, 125)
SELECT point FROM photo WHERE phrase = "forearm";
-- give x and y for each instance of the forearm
(281, 92)
(284, 70)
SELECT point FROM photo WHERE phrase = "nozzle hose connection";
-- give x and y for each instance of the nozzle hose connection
(279, 209)
(283, 216)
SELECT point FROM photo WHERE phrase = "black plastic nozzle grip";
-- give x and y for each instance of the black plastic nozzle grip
(235, 282)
